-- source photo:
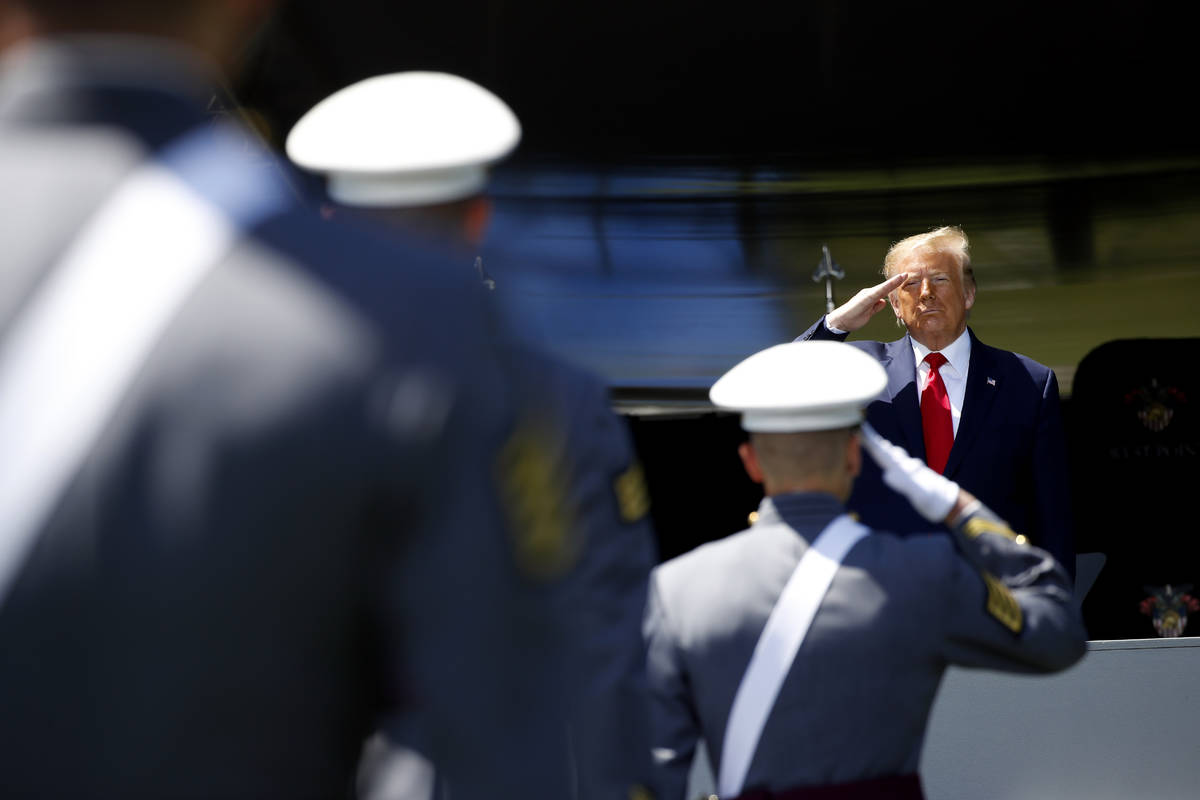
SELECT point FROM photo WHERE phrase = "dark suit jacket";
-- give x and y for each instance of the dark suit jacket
(288, 530)
(1010, 449)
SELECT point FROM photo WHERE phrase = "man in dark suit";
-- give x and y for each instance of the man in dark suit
(248, 509)
(986, 418)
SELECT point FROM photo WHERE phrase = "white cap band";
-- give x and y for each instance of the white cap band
(413, 189)
(811, 420)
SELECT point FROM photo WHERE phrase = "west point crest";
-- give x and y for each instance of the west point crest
(1156, 404)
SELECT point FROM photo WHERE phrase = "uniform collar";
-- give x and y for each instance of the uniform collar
(957, 353)
(807, 508)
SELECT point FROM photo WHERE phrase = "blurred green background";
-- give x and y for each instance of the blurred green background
(1065, 259)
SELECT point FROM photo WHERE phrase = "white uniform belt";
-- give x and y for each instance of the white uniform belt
(776, 649)
(78, 344)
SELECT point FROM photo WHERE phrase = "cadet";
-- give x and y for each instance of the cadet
(413, 149)
(807, 650)
(242, 461)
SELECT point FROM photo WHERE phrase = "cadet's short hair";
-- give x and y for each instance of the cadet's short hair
(948, 239)
(109, 14)
(795, 457)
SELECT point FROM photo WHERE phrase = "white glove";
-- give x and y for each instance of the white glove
(931, 494)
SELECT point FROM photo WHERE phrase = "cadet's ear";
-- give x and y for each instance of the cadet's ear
(476, 218)
(750, 462)
(16, 25)
(854, 455)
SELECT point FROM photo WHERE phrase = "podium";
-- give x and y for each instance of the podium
(1117, 725)
(1120, 724)
(1133, 438)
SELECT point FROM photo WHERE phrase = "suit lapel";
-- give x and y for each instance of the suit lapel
(901, 392)
(976, 403)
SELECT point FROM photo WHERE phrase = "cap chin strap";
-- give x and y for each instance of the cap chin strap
(777, 646)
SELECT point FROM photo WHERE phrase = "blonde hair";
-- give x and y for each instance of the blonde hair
(948, 239)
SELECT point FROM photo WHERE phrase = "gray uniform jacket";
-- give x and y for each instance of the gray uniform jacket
(290, 528)
(857, 698)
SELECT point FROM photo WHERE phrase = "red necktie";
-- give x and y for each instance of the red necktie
(935, 416)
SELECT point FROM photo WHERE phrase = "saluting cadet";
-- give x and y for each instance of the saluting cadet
(413, 149)
(248, 511)
(807, 650)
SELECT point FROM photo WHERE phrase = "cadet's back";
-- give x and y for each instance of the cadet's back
(282, 528)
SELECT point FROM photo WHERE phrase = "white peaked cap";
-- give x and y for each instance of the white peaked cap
(801, 386)
(405, 139)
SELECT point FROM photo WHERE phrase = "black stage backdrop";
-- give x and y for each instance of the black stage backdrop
(833, 80)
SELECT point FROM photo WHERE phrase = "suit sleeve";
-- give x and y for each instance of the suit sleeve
(1053, 527)
(1009, 604)
(674, 724)
(606, 600)
(818, 332)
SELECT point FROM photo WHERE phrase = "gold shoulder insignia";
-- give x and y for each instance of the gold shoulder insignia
(633, 498)
(541, 521)
(639, 792)
(978, 525)
(1002, 605)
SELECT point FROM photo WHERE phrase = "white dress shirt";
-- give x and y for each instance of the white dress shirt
(953, 372)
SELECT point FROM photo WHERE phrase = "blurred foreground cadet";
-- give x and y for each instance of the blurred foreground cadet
(984, 417)
(248, 511)
(413, 149)
(807, 650)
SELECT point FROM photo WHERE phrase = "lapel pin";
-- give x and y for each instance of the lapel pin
(991, 381)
